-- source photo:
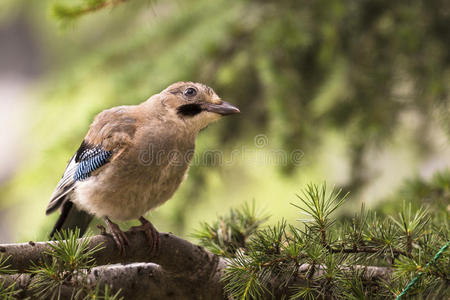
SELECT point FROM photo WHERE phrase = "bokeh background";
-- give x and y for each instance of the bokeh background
(354, 93)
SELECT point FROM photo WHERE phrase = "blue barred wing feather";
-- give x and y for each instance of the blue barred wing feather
(89, 161)
(80, 167)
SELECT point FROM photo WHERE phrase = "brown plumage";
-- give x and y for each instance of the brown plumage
(134, 158)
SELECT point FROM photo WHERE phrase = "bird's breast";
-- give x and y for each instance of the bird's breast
(141, 180)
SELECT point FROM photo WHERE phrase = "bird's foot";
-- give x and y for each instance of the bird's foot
(151, 233)
(102, 229)
(118, 235)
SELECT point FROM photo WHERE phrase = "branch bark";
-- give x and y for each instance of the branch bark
(173, 253)
(180, 269)
(194, 271)
(135, 281)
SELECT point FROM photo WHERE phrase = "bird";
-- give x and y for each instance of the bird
(133, 159)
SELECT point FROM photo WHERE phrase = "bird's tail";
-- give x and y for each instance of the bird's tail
(70, 218)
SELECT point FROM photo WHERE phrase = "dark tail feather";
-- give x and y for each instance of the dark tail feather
(70, 218)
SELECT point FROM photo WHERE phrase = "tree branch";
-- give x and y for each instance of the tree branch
(180, 269)
(174, 253)
(364, 249)
(150, 281)
(135, 281)
(191, 267)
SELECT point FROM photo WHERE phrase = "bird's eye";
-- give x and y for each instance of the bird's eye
(190, 92)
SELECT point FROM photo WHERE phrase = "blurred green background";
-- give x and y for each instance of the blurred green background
(355, 93)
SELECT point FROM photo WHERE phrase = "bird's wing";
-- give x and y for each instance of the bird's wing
(111, 132)
(87, 159)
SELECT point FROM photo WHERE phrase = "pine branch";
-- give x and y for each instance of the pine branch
(180, 269)
(135, 281)
(323, 259)
(174, 254)
(362, 249)
(138, 279)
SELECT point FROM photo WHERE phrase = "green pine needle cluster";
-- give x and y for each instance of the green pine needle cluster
(316, 258)
(69, 263)
(319, 206)
(7, 292)
(4, 267)
(225, 236)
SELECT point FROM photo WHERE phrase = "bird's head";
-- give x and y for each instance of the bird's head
(197, 104)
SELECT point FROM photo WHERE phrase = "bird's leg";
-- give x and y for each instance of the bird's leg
(151, 233)
(119, 236)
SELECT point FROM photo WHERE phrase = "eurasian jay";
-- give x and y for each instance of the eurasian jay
(134, 158)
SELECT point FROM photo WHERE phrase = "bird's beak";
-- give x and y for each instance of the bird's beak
(223, 109)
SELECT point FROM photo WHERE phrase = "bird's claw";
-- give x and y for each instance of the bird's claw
(118, 235)
(151, 234)
(102, 229)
